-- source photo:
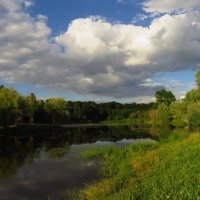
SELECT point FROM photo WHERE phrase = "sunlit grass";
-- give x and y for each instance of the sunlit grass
(169, 170)
(116, 167)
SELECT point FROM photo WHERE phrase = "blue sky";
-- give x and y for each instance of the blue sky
(61, 12)
(101, 50)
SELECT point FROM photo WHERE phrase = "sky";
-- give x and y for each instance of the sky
(99, 50)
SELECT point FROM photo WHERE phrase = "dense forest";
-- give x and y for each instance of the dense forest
(15, 108)
(166, 111)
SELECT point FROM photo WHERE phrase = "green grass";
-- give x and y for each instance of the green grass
(169, 170)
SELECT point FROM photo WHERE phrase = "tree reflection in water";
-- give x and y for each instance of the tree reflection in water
(36, 164)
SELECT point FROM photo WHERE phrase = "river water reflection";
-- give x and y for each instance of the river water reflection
(35, 166)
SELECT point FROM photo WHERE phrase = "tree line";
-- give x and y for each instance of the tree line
(166, 111)
(178, 113)
(15, 108)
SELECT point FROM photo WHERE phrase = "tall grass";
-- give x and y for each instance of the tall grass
(115, 169)
(169, 170)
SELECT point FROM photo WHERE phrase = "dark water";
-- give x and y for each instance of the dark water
(35, 166)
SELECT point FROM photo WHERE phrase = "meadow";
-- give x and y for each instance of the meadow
(168, 169)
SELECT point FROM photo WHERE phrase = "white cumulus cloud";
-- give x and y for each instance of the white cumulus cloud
(169, 6)
(94, 56)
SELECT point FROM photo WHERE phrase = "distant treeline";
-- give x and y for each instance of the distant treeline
(15, 108)
(166, 111)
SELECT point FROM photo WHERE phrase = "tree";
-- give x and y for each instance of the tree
(31, 105)
(9, 106)
(164, 96)
(152, 117)
(192, 96)
(178, 111)
(56, 108)
(40, 115)
(197, 75)
(163, 115)
(193, 116)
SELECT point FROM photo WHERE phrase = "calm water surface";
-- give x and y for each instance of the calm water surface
(38, 166)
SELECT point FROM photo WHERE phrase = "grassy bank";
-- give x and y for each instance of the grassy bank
(166, 170)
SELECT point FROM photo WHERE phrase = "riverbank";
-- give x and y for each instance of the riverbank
(165, 170)
(71, 125)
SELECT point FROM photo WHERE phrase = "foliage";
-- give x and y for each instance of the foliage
(163, 115)
(194, 116)
(30, 106)
(192, 96)
(139, 118)
(178, 112)
(9, 106)
(165, 112)
(197, 75)
(152, 117)
(164, 96)
(56, 108)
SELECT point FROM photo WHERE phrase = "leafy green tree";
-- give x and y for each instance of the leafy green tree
(9, 106)
(83, 111)
(40, 115)
(78, 110)
(31, 105)
(152, 116)
(139, 119)
(56, 108)
(197, 75)
(193, 110)
(164, 96)
(178, 111)
(163, 115)
(192, 96)
(90, 111)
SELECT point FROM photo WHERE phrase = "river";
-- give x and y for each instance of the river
(45, 165)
